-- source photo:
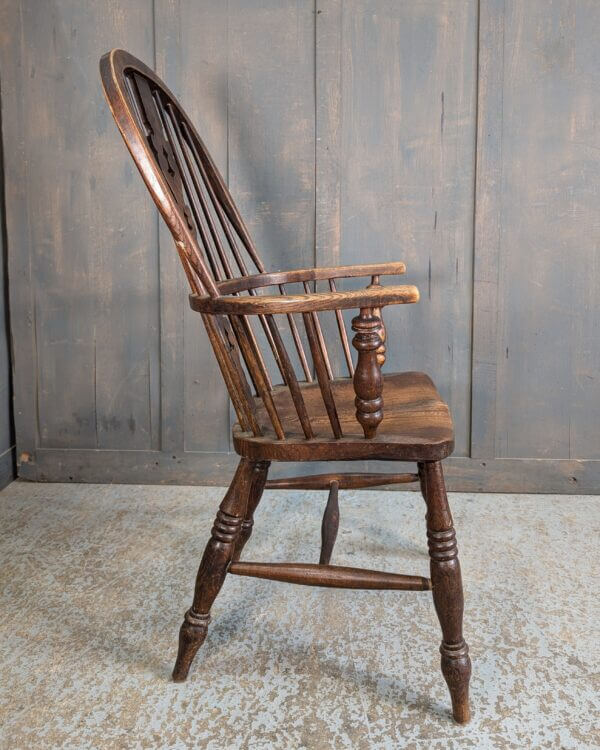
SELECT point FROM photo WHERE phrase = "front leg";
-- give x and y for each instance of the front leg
(447, 588)
(213, 567)
(368, 382)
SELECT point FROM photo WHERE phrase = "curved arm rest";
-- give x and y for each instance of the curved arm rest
(303, 303)
(244, 283)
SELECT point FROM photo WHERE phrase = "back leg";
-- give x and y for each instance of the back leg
(213, 567)
(447, 588)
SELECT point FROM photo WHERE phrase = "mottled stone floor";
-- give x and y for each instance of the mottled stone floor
(95, 579)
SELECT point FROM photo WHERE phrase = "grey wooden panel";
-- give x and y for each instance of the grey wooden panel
(271, 126)
(547, 398)
(89, 238)
(271, 122)
(487, 227)
(328, 56)
(407, 134)
(14, 126)
(462, 473)
(192, 59)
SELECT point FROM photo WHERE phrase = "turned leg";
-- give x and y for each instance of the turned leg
(257, 485)
(213, 567)
(447, 588)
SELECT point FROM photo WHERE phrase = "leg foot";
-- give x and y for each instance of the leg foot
(447, 588)
(456, 668)
(213, 567)
(191, 636)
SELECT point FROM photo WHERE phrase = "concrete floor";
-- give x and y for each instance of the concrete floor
(95, 580)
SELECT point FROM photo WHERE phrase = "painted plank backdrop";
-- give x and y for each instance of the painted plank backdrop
(460, 136)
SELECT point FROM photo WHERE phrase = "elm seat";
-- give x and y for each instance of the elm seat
(416, 421)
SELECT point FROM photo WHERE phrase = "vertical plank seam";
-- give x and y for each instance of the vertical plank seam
(160, 445)
(31, 424)
(475, 168)
(315, 128)
(7, 329)
(482, 446)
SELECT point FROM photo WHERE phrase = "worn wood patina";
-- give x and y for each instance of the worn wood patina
(286, 413)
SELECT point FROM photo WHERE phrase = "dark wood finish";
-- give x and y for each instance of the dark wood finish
(447, 589)
(330, 576)
(330, 524)
(381, 330)
(257, 485)
(343, 481)
(213, 567)
(339, 319)
(303, 303)
(310, 274)
(416, 425)
(368, 382)
(334, 418)
(323, 377)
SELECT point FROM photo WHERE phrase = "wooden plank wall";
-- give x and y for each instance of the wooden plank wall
(458, 135)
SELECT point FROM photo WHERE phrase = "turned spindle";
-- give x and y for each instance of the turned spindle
(330, 524)
(368, 382)
(382, 333)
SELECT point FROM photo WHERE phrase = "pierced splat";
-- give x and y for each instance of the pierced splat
(151, 110)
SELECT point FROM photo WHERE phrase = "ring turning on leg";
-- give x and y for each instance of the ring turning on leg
(213, 567)
(447, 588)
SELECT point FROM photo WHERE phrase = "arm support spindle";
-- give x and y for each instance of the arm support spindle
(368, 382)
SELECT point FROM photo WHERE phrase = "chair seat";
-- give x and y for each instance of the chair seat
(416, 425)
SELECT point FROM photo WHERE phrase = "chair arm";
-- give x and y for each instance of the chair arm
(375, 297)
(275, 278)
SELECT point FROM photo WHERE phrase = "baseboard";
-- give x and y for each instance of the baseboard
(152, 467)
(7, 467)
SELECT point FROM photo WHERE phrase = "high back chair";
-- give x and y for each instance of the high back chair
(309, 415)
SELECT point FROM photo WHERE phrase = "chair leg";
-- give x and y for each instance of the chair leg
(213, 567)
(259, 477)
(447, 588)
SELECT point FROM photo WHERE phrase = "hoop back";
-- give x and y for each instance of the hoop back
(210, 235)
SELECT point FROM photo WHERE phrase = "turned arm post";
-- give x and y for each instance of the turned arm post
(377, 311)
(368, 382)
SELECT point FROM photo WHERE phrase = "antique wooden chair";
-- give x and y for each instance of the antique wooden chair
(307, 417)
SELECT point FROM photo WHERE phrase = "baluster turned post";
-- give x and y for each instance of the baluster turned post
(382, 333)
(368, 382)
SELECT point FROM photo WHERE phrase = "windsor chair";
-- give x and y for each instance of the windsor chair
(311, 415)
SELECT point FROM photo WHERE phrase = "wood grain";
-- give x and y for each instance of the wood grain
(543, 398)
(330, 576)
(193, 416)
(274, 278)
(276, 304)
